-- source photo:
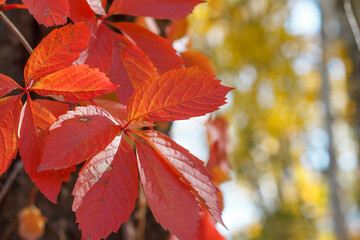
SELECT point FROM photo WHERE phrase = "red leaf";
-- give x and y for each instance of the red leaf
(80, 11)
(176, 95)
(57, 50)
(130, 67)
(199, 59)
(100, 50)
(158, 49)
(48, 12)
(163, 9)
(10, 108)
(55, 107)
(74, 83)
(7, 84)
(218, 163)
(190, 167)
(106, 190)
(2, 2)
(35, 126)
(77, 136)
(170, 201)
(207, 229)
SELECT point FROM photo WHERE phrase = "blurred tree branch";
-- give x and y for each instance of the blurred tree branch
(350, 14)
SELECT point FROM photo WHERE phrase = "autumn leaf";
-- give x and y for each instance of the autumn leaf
(7, 84)
(35, 126)
(158, 49)
(31, 223)
(190, 167)
(77, 136)
(49, 13)
(74, 84)
(172, 205)
(10, 108)
(106, 190)
(59, 49)
(163, 9)
(196, 94)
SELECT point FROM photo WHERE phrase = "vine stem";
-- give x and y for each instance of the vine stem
(352, 21)
(16, 31)
(18, 167)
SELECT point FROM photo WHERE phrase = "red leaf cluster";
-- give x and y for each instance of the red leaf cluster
(76, 63)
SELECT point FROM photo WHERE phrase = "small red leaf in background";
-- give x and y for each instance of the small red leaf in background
(199, 59)
(158, 49)
(76, 136)
(57, 50)
(48, 12)
(10, 108)
(171, 203)
(2, 2)
(106, 190)
(31, 223)
(35, 126)
(190, 167)
(177, 95)
(74, 84)
(163, 9)
(207, 229)
(7, 84)
(219, 142)
(176, 30)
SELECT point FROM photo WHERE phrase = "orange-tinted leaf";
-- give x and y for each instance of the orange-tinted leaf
(129, 69)
(10, 108)
(31, 223)
(57, 50)
(7, 84)
(164, 9)
(2, 2)
(199, 59)
(190, 167)
(218, 163)
(175, 95)
(207, 229)
(158, 49)
(55, 107)
(106, 190)
(77, 136)
(80, 11)
(74, 83)
(176, 30)
(48, 12)
(33, 130)
(170, 201)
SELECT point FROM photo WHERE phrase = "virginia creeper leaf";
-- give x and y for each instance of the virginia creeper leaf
(57, 50)
(171, 203)
(96, 6)
(80, 11)
(106, 190)
(158, 49)
(77, 136)
(10, 108)
(2, 2)
(7, 84)
(207, 229)
(35, 126)
(199, 59)
(191, 168)
(74, 83)
(175, 95)
(48, 12)
(163, 9)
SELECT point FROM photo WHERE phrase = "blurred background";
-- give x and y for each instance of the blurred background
(293, 118)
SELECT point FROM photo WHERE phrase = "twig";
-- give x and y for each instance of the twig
(18, 167)
(141, 214)
(16, 31)
(352, 21)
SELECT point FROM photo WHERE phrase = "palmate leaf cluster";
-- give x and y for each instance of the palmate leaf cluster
(75, 64)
